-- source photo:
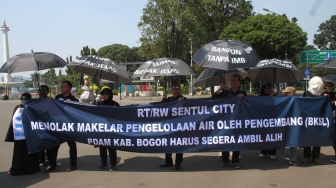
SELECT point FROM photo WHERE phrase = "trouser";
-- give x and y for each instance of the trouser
(178, 158)
(53, 156)
(73, 153)
(269, 151)
(103, 155)
(314, 154)
(235, 156)
(281, 154)
(334, 144)
(43, 156)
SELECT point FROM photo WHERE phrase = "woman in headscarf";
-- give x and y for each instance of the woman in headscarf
(22, 162)
(107, 99)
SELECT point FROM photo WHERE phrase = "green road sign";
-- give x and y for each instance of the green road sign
(315, 56)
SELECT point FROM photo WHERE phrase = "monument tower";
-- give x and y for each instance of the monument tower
(5, 29)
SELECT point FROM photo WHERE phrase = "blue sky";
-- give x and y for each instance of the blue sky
(63, 27)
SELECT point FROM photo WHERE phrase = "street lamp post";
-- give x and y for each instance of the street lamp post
(191, 76)
(265, 9)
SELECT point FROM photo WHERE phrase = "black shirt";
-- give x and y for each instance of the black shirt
(229, 92)
(309, 94)
(70, 97)
(172, 98)
(109, 103)
(332, 98)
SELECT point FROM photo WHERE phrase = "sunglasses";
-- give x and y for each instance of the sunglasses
(23, 99)
(105, 93)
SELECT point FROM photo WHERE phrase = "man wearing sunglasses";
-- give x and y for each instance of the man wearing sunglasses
(176, 90)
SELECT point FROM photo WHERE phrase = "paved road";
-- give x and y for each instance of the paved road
(141, 169)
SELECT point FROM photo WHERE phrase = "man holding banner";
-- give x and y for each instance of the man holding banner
(66, 95)
(176, 90)
(233, 91)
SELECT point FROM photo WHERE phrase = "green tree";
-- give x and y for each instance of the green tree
(85, 51)
(27, 84)
(35, 77)
(50, 77)
(119, 52)
(326, 39)
(168, 25)
(122, 54)
(272, 36)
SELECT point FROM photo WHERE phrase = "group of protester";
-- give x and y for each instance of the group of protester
(24, 163)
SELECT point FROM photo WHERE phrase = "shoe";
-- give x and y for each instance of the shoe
(41, 161)
(166, 165)
(71, 168)
(236, 165)
(177, 167)
(46, 163)
(273, 157)
(318, 161)
(305, 161)
(101, 167)
(113, 168)
(280, 163)
(294, 163)
(333, 160)
(223, 164)
(49, 168)
(261, 155)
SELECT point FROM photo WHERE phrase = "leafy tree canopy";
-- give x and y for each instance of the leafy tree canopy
(50, 77)
(119, 52)
(27, 84)
(122, 54)
(270, 35)
(326, 39)
(169, 26)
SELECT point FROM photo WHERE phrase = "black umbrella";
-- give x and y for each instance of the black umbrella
(100, 67)
(330, 78)
(328, 65)
(32, 62)
(164, 67)
(214, 77)
(276, 71)
(226, 55)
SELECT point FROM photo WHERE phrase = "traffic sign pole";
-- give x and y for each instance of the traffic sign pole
(307, 68)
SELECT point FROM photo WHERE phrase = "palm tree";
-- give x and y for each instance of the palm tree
(36, 78)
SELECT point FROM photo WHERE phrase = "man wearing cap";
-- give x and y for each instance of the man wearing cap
(176, 90)
(222, 93)
(289, 91)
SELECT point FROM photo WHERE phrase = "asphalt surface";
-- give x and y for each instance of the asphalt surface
(141, 169)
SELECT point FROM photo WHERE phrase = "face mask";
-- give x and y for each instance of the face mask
(23, 102)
